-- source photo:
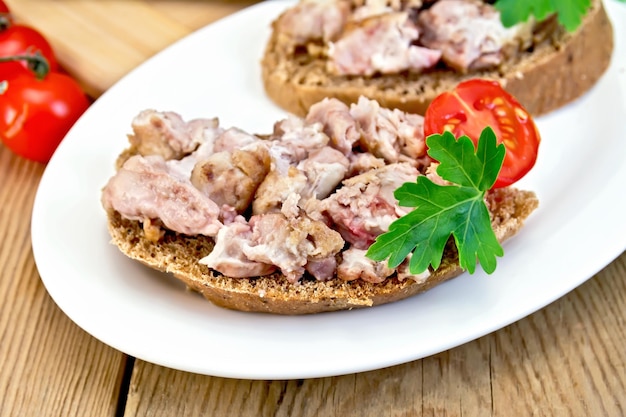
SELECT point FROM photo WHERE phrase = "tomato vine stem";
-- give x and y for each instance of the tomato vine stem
(36, 62)
(5, 21)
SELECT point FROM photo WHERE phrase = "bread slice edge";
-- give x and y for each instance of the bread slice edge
(178, 255)
(555, 73)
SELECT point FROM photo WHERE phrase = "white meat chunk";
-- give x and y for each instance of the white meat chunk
(311, 20)
(470, 34)
(276, 188)
(143, 189)
(366, 8)
(233, 138)
(322, 269)
(355, 265)
(369, 8)
(403, 272)
(393, 135)
(338, 124)
(431, 174)
(313, 178)
(382, 43)
(168, 135)
(293, 139)
(291, 244)
(181, 168)
(361, 162)
(232, 178)
(227, 256)
(324, 170)
(365, 206)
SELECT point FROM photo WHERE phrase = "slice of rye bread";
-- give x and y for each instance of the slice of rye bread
(555, 72)
(179, 255)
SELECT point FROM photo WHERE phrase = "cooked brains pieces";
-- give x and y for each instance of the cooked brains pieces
(291, 236)
(403, 54)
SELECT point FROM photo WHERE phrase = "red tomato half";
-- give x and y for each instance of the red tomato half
(476, 104)
(35, 114)
(24, 40)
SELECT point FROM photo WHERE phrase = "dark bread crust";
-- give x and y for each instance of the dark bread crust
(558, 71)
(179, 255)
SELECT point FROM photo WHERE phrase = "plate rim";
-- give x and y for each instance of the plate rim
(616, 249)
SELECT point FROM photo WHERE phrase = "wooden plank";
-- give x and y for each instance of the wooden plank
(566, 359)
(50, 367)
(115, 35)
(196, 14)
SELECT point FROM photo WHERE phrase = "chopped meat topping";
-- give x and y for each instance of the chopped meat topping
(337, 123)
(144, 189)
(276, 188)
(297, 138)
(227, 256)
(313, 20)
(232, 139)
(166, 134)
(372, 37)
(290, 201)
(365, 206)
(355, 265)
(324, 170)
(383, 44)
(403, 272)
(367, 8)
(469, 33)
(232, 178)
(362, 162)
(393, 135)
(291, 243)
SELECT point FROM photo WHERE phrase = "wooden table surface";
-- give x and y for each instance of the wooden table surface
(567, 359)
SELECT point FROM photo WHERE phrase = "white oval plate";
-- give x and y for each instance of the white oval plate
(579, 228)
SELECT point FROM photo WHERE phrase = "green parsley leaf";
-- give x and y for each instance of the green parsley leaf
(513, 12)
(569, 12)
(441, 211)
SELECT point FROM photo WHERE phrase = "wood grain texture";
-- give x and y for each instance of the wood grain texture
(50, 367)
(98, 42)
(567, 359)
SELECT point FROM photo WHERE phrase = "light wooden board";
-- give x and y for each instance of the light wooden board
(565, 360)
(98, 42)
(50, 367)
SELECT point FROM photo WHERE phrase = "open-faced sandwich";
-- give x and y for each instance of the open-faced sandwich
(403, 53)
(350, 206)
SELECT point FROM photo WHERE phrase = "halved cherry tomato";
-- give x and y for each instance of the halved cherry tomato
(24, 40)
(478, 103)
(35, 114)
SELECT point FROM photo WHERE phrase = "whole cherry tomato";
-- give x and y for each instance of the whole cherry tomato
(12, 66)
(35, 114)
(10, 70)
(478, 103)
(23, 40)
(5, 16)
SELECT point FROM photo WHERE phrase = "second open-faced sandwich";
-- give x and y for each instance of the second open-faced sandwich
(348, 207)
(403, 53)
